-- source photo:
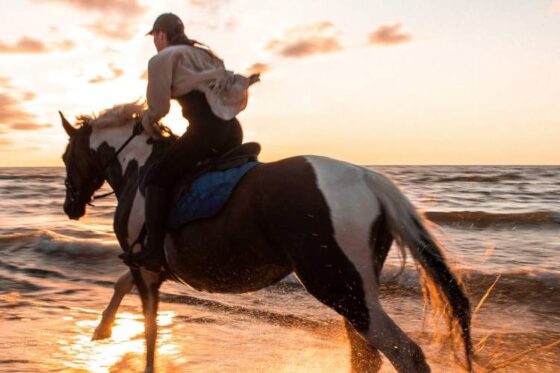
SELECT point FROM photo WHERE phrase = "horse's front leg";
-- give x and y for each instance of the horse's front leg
(148, 284)
(123, 286)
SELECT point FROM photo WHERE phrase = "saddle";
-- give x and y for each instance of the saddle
(219, 176)
(236, 157)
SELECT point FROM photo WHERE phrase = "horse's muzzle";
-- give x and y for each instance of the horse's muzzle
(74, 210)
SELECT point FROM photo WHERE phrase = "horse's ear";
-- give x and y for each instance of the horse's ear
(71, 131)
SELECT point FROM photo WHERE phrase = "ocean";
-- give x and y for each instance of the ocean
(499, 224)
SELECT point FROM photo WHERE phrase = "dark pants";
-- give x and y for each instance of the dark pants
(207, 136)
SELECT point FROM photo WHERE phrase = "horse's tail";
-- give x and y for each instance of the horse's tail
(442, 287)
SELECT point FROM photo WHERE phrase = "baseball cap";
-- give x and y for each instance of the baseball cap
(168, 23)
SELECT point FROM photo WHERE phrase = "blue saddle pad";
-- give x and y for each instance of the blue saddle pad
(207, 195)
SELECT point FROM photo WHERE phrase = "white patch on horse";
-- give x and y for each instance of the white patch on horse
(115, 137)
(136, 221)
(353, 210)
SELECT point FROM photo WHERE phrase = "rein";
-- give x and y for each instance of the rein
(135, 132)
(75, 194)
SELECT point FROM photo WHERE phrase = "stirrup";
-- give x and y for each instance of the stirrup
(138, 260)
(131, 259)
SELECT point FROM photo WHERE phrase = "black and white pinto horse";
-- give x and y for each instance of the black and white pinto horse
(329, 222)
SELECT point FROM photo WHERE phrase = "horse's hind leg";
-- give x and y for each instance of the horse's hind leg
(333, 282)
(364, 357)
(339, 270)
(123, 286)
(328, 275)
(402, 352)
(399, 349)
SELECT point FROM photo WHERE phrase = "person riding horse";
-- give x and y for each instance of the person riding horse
(210, 97)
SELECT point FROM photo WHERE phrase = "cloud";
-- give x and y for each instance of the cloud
(28, 126)
(10, 111)
(388, 35)
(555, 6)
(258, 68)
(5, 82)
(214, 4)
(307, 40)
(24, 45)
(4, 142)
(231, 24)
(27, 45)
(211, 14)
(65, 45)
(121, 29)
(126, 8)
(116, 18)
(98, 79)
(28, 96)
(15, 118)
(116, 73)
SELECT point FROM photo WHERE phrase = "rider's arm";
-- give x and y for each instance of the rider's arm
(158, 94)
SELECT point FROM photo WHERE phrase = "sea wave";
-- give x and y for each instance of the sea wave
(9, 285)
(55, 175)
(52, 244)
(536, 290)
(539, 288)
(33, 272)
(467, 178)
(482, 219)
(522, 285)
(13, 237)
(56, 256)
(482, 178)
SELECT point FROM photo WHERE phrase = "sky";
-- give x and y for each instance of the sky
(371, 82)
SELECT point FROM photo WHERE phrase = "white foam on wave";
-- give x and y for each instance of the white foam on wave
(49, 242)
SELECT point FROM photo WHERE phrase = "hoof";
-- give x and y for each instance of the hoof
(101, 333)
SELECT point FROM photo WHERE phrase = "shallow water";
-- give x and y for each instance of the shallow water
(56, 277)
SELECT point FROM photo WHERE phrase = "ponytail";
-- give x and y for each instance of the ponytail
(182, 39)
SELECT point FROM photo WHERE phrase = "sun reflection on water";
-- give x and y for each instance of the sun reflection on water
(127, 339)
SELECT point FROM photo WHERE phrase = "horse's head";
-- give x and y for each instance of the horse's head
(91, 153)
(84, 173)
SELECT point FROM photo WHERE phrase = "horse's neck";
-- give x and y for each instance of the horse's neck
(106, 141)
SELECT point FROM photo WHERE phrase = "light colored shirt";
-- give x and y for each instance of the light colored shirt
(179, 69)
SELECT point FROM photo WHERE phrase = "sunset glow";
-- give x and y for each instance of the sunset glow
(127, 338)
(370, 82)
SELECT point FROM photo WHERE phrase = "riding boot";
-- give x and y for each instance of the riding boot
(153, 255)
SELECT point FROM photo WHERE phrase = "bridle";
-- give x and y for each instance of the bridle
(74, 193)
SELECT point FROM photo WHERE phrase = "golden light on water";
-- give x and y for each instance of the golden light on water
(127, 338)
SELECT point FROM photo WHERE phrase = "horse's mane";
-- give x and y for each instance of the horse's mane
(120, 115)
(117, 116)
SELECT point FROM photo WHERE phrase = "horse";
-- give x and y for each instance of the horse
(329, 222)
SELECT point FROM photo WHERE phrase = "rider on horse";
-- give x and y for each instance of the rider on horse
(210, 97)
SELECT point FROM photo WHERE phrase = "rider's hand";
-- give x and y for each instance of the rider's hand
(150, 128)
